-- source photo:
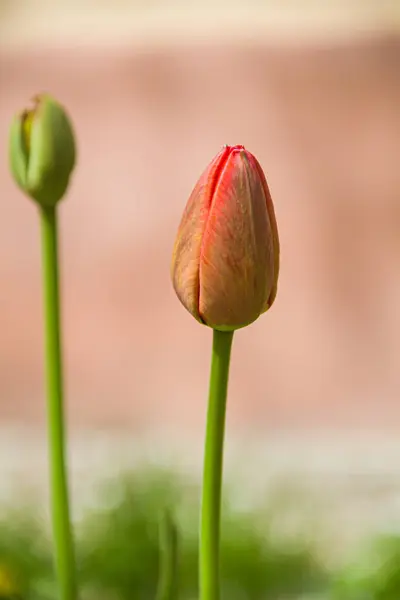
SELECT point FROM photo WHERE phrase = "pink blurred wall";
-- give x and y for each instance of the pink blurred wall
(324, 122)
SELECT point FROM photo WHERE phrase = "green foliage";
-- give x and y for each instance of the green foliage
(24, 554)
(376, 577)
(118, 547)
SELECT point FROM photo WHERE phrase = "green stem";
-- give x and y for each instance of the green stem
(168, 572)
(213, 466)
(62, 535)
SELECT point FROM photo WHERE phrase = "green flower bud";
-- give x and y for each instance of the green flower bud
(42, 150)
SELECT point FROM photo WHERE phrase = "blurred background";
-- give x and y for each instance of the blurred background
(154, 90)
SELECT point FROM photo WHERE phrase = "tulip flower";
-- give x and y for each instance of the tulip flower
(42, 157)
(226, 258)
(42, 150)
(225, 269)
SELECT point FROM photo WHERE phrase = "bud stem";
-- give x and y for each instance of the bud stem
(62, 536)
(213, 467)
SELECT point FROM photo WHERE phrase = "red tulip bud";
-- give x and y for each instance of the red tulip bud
(225, 262)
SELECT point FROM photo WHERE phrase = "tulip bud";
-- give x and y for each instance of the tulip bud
(225, 261)
(42, 151)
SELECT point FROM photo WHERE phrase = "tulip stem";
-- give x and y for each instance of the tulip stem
(62, 535)
(213, 467)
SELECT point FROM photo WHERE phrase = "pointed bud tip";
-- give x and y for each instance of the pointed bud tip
(235, 148)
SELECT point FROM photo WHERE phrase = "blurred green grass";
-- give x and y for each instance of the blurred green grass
(118, 551)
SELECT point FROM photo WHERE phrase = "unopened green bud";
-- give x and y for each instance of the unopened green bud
(42, 150)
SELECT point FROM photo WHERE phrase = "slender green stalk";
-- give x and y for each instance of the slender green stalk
(62, 535)
(213, 466)
(168, 572)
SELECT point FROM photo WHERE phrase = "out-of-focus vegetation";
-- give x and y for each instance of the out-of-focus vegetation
(118, 552)
(118, 548)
